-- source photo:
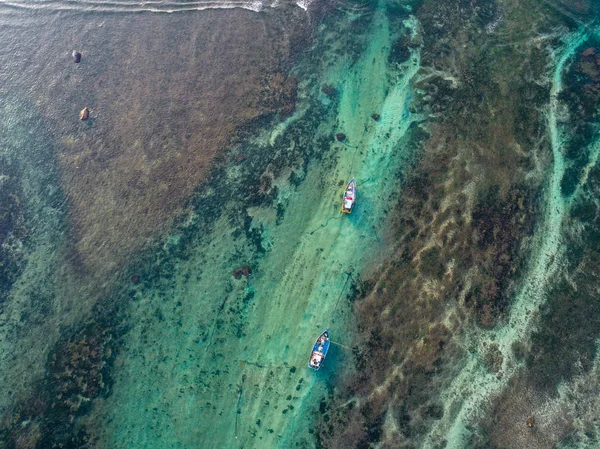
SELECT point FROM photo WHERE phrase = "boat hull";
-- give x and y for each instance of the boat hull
(349, 197)
(319, 351)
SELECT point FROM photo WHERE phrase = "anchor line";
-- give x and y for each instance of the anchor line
(212, 331)
(362, 181)
(355, 148)
(341, 345)
(353, 158)
(322, 225)
(349, 275)
(238, 410)
(354, 153)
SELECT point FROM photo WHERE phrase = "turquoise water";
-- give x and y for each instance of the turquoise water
(239, 341)
(166, 265)
(176, 337)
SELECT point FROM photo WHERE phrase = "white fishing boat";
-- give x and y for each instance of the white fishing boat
(349, 197)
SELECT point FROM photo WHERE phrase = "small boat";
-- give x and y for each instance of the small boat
(349, 197)
(76, 57)
(320, 348)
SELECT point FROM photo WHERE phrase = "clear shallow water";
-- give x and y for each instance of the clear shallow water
(197, 340)
(240, 341)
(168, 264)
(69, 183)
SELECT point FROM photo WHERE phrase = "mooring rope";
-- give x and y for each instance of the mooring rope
(322, 225)
(349, 275)
(341, 345)
(238, 411)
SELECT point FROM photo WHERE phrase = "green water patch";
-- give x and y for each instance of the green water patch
(32, 227)
(51, 366)
(29, 194)
(220, 331)
(12, 229)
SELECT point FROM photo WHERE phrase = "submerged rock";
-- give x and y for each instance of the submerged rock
(282, 94)
(84, 114)
(242, 271)
(589, 51)
(340, 136)
(376, 117)
(530, 421)
(329, 90)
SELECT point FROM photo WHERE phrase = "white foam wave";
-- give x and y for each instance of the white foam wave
(152, 6)
(304, 4)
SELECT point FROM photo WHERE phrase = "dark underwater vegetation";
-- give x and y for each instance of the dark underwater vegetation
(166, 265)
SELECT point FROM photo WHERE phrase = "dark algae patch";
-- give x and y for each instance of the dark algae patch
(12, 229)
(498, 224)
(445, 310)
(78, 372)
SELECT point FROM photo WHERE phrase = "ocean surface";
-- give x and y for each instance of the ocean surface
(166, 265)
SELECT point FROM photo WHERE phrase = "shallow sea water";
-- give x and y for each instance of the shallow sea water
(240, 342)
(203, 359)
(167, 265)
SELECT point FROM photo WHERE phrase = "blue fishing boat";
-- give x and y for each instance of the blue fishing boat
(320, 348)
